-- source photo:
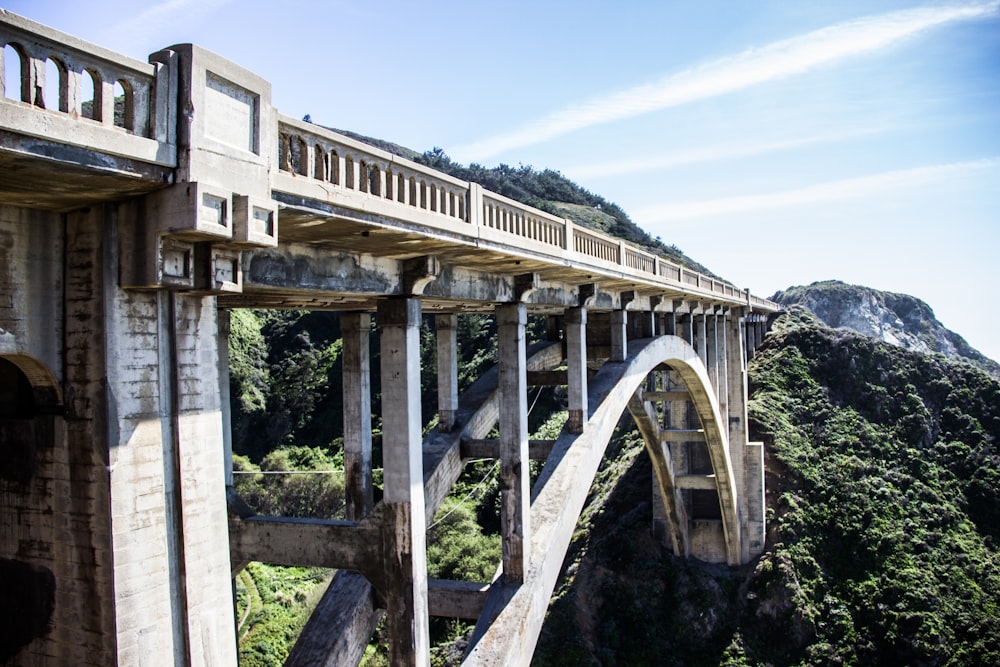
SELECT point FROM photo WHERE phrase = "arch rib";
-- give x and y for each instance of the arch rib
(508, 628)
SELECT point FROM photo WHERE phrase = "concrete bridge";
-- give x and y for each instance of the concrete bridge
(141, 201)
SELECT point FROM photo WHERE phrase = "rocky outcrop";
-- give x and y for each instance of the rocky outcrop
(897, 319)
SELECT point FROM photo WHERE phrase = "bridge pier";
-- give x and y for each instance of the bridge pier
(404, 540)
(515, 496)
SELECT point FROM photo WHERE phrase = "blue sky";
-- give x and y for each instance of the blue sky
(776, 142)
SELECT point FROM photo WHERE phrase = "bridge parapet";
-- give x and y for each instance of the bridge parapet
(126, 111)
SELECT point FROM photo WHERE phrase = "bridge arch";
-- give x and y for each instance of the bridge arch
(508, 628)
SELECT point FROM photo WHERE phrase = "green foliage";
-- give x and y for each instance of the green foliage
(886, 544)
(294, 481)
(273, 605)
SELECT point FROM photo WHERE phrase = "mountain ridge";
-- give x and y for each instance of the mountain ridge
(898, 319)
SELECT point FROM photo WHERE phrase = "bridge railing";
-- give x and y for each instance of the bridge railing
(315, 162)
(70, 91)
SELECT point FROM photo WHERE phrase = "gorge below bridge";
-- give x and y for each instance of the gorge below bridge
(141, 201)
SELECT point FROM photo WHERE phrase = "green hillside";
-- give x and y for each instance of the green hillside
(884, 520)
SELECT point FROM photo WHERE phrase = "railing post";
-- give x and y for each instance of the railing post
(474, 210)
(514, 478)
(404, 537)
(355, 330)
(568, 242)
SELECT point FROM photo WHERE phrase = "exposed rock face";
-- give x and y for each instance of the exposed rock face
(897, 319)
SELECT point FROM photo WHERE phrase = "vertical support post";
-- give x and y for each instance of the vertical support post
(513, 394)
(712, 351)
(576, 374)
(355, 329)
(404, 538)
(225, 407)
(670, 324)
(619, 337)
(723, 386)
(447, 367)
(685, 328)
(700, 336)
(737, 415)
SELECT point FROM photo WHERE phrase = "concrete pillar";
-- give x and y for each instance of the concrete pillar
(737, 418)
(684, 327)
(700, 337)
(723, 367)
(515, 495)
(447, 370)
(670, 324)
(712, 349)
(619, 339)
(576, 374)
(404, 538)
(224, 399)
(355, 330)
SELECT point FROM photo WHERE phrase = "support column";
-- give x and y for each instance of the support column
(404, 537)
(712, 349)
(700, 336)
(723, 367)
(355, 329)
(576, 374)
(684, 327)
(447, 367)
(225, 406)
(737, 417)
(515, 495)
(619, 338)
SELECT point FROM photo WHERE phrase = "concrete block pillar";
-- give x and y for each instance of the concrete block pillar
(736, 412)
(723, 366)
(685, 328)
(404, 538)
(712, 349)
(619, 337)
(355, 330)
(576, 374)
(700, 337)
(447, 369)
(515, 495)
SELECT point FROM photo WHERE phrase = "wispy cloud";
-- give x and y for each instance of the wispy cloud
(851, 188)
(157, 20)
(728, 151)
(755, 66)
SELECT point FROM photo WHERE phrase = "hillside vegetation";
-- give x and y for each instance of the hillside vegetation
(884, 521)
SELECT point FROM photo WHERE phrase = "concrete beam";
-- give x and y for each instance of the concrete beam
(345, 545)
(456, 599)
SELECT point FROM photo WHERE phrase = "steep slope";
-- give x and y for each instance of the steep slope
(884, 502)
(898, 319)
